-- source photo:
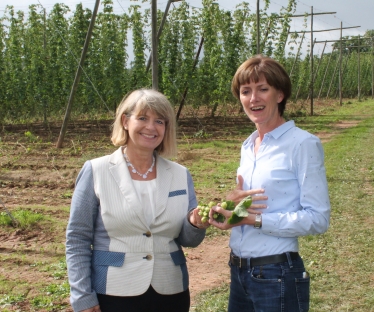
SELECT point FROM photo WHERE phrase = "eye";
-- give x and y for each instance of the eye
(264, 89)
(160, 121)
(142, 118)
(245, 92)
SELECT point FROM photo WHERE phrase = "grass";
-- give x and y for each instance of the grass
(340, 261)
(25, 218)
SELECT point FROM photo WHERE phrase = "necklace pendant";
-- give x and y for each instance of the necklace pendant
(133, 170)
(144, 176)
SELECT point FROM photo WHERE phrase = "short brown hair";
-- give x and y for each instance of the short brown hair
(139, 101)
(256, 67)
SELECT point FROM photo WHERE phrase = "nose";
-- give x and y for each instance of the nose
(253, 96)
(150, 124)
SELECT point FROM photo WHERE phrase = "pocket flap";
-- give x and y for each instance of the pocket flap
(177, 193)
(109, 258)
(178, 257)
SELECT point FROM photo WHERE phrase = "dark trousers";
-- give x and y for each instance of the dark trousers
(280, 287)
(150, 301)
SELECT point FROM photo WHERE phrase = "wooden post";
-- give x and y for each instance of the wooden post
(154, 46)
(44, 68)
(311, 63)
(297, 54)
(258, 26)
(372, 68)
(193, 68)
(320, 61)
(340, 66)
(332, 78)
(359, 70)
(324, 76)
(77, 77)
(160, 30)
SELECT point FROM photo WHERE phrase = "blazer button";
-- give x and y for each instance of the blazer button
(148, 257)
(148, 234)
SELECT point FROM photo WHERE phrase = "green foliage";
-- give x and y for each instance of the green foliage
(31, 137)
(39, 56)
(26, 219)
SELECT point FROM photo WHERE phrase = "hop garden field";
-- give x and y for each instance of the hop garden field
(37, 182)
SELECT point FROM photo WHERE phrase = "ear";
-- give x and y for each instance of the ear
(280, 96)
(124, 121)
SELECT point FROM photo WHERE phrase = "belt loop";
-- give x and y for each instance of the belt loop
(289, 260)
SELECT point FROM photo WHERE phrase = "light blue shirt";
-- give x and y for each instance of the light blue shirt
(289, 165)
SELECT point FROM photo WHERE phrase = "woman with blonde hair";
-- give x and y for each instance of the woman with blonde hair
(131, 214)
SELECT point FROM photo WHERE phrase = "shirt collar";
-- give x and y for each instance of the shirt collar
(276, 133)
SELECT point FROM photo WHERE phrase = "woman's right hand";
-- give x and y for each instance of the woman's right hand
(93, 309)
(238, 194)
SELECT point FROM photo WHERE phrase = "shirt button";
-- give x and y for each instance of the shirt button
(148, 257)
(148, 234)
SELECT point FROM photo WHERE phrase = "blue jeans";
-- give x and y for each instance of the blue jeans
(280, 287)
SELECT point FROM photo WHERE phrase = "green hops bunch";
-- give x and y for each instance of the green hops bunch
(204, 211)
(239, 211)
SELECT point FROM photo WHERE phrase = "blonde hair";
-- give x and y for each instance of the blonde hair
(140, 101)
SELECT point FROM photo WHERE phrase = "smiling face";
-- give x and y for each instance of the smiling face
(260, 103)
(146, 130)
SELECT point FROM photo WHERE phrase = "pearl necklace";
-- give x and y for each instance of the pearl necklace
(129, 164)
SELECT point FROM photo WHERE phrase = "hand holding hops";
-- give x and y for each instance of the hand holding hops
(239, 211)
(204, 211)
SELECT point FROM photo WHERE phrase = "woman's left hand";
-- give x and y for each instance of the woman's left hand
(195, 220)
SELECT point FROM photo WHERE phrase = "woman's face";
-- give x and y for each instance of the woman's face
(146, 130)
(260, 103)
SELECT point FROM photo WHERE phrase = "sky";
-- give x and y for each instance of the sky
(349, 13)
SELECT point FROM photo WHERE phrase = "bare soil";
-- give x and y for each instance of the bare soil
(36, 176)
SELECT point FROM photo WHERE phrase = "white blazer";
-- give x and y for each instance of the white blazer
(111, 249)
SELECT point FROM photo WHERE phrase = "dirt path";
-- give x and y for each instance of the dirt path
(207, 264)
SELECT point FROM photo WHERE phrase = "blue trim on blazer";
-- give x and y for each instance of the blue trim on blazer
(101, 261)
(177, 193)
(179, 259)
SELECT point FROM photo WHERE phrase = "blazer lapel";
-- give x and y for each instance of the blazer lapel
(122, 176)
(163, 182)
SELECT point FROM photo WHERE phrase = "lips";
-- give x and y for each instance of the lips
(257, 108)
(149, 136)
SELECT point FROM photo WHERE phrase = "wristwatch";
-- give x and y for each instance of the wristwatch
(258, 221)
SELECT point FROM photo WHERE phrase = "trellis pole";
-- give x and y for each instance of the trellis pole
(324, 76)
(258, 26)
(77, 77)
(332, 78)
(154, 46)
(311, 62)
(359, 71)
(340, 66)
(297, 54)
